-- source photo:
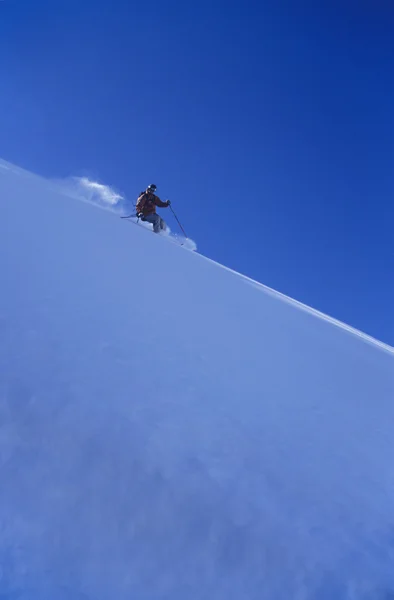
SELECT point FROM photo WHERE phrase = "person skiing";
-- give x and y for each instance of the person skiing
(146, 208)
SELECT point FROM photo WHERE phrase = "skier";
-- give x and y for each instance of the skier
(146, 208)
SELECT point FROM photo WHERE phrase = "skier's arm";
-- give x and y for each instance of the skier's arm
(160, 203)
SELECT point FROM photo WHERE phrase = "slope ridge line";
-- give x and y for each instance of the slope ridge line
(280, 295)
(304, 307)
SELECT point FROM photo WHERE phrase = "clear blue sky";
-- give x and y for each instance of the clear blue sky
(270, 127)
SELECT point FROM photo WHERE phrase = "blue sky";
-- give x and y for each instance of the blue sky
(269, 126)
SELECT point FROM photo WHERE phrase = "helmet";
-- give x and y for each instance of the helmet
(151, 188)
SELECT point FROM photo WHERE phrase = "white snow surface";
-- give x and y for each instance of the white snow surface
(170, 430)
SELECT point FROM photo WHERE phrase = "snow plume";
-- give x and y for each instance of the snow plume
(86, 189)
(98, 191)
(179, 239)
(188, 243)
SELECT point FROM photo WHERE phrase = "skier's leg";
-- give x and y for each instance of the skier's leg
(163, 225)
(155, 220)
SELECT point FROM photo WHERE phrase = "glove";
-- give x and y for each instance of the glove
(140, 215)
(168, 202)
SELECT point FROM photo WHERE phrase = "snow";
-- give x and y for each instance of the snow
(92, 191)
(170, 429)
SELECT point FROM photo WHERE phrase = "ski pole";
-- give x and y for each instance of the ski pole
(132, 215)
(184, 232)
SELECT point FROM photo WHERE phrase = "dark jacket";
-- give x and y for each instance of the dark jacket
(147, 202)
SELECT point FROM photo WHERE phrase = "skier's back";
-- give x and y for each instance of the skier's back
(146, 208)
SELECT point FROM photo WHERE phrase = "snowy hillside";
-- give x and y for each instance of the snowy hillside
(170, 430)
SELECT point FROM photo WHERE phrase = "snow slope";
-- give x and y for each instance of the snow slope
(172, 430)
